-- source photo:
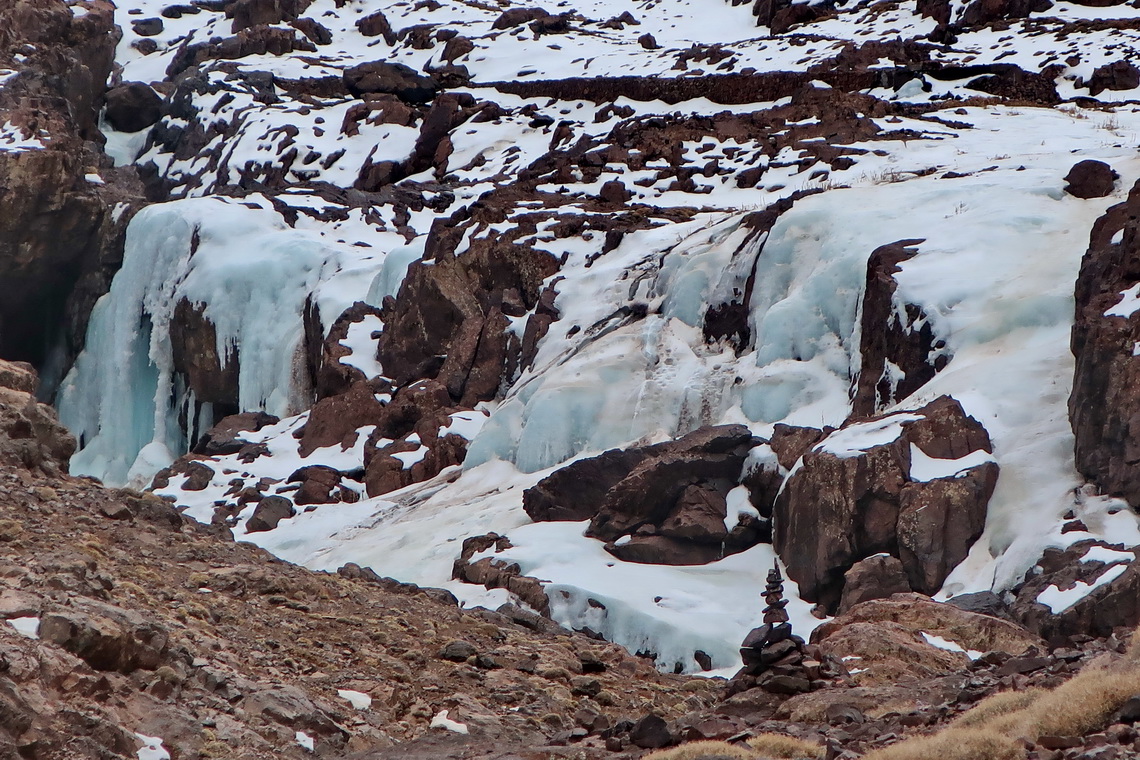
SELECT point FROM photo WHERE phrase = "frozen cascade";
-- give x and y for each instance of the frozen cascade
(656, 378)
(253, 273)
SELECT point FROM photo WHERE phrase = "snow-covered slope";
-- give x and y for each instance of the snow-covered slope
(274, 226)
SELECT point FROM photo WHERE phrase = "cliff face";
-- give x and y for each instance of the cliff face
(597, 309)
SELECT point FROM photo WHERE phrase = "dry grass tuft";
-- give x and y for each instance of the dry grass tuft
(781, 746)
(958, 743)
(992, 730)
(997, 705)
(704, 751)
(1076, 707)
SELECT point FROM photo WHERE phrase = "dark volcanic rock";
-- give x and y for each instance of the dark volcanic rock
(1104, 406)
(876, 577)
(449, 322)
(1121, 75)
(133, 107)
(850, 500)
(390, 79)
(1097, 612)
(269, 512)
(1090, 179)
(225, 436)
(667, 500)
(895, 337)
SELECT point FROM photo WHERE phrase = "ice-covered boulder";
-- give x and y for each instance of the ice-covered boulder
(912, 484)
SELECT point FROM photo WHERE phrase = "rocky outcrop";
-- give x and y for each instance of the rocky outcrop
(225, 436)
(212, 374)
(912, 485)
(387, 78)
(909, 636)
(104, 636)
(1120, 75)
(899, 348)
(490, 572)
(30, 433)
(132, 107)
(1104, 406)
(56, 226)
(449, 320)
(663, 503)
(877, 577)
(331, 376)
(1090, 588)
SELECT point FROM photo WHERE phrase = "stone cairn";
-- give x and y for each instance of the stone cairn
(772, 654)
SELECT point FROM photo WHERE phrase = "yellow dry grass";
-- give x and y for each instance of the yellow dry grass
(994, 729)
(760, 747)
(781, 746)
(996, 705)
(704, 751)
(960, 743)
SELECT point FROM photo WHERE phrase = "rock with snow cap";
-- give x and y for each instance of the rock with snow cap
(911, 484)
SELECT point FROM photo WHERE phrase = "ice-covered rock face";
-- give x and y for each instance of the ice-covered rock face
(605, 229)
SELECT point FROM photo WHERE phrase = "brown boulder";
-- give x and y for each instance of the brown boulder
(665, 502)
(268, 513)
(132, 107)
(247, 13)
(876, 577)
(448, 321)
(1075, 594)
(376, 24)
(855, 495)
(916, 612)
(1104, 406)
(1121, 75)
(887, 637)
(104, 636)
(895, 338)
(336, 419)
(518, 16)
(225, 436)
(30, 433)
(391, 79)
(319, 485)
(985, 11)
(1090, 179)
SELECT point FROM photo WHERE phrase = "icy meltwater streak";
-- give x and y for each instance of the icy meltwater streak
(251, 273)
